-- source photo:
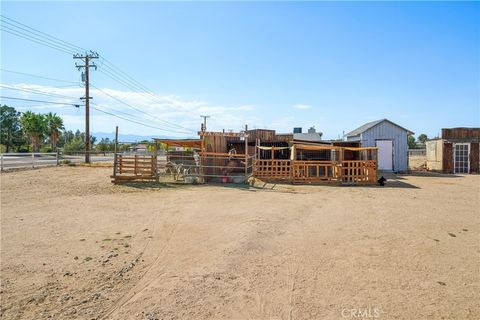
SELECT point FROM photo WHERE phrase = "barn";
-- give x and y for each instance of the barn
(457, 151)
(390, 139)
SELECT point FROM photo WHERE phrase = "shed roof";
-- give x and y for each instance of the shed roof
(372, 124)
(189, 143)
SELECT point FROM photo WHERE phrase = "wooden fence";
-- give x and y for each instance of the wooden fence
(135, 168)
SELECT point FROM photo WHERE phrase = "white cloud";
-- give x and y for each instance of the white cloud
(161, 111)
(166, 112)
(302, 106)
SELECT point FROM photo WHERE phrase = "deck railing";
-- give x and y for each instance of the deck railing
(315, 171)
(273, 169)
(310, 171)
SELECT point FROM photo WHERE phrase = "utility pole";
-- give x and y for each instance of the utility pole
(205, 122)
(86, 59)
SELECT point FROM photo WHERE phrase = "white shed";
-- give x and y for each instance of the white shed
(391, 140)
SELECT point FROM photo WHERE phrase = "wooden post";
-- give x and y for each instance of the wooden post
(1, 162)
(255, 160)
(33, 159)
(291, 162)
(246, 154)
(115, 153)
(202, 158)
(135, 165)
(340, 164)
(155, 164)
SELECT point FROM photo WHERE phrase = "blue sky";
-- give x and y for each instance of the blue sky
(330, 65)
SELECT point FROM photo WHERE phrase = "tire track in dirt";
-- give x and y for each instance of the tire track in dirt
(145, 279)
(275, 296)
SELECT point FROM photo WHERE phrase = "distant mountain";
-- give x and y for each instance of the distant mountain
(129, 137)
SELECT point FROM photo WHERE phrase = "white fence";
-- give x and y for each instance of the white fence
(23, 160)
(37, 159)
(417, 152)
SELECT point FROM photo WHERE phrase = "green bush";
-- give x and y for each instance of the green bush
(46, 149)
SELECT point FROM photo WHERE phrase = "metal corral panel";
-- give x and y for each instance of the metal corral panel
(388, 131)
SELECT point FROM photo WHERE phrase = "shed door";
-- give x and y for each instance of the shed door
(461, 158)
(385, 155)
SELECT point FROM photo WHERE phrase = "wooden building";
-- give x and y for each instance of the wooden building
(457, 151)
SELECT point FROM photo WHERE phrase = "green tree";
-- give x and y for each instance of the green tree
(93, 139)
(65, 137)
(34, 125)
(104, 145)
(10, 130)
(422, 138)
(76, 141)
(411, 142)
(54, 125)
(75, 145)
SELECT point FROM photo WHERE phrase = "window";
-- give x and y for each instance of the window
(461, 158)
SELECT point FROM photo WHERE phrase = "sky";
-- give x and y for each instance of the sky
(275, 65)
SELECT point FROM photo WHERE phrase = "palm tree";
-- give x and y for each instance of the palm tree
(34, 125)
(54, 125)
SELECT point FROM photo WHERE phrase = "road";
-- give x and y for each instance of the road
(26, 161)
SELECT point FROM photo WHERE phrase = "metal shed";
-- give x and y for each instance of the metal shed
(391, 140)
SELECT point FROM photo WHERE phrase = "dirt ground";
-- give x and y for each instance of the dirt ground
(74, 246)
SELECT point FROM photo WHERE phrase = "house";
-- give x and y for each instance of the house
(138, 147)
(457, 151)
(390, 139)
(311, 136)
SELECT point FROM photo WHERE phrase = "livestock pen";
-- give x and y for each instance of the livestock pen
(235, 157)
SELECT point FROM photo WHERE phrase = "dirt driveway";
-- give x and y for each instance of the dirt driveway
(74, 246)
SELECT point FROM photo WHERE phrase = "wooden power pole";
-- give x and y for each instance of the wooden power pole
(204, 122)
(86, 59)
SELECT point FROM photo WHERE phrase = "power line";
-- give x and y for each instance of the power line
(36, 41)
(137, 122)
(96, 108)
(146, 113)
(40, 101)
(73, 98)
(15, 23)
(109, 69)
(35, 91)
(28, 33)
(134, 85)
(37, 76)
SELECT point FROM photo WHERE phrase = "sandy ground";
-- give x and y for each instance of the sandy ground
(74, 246)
